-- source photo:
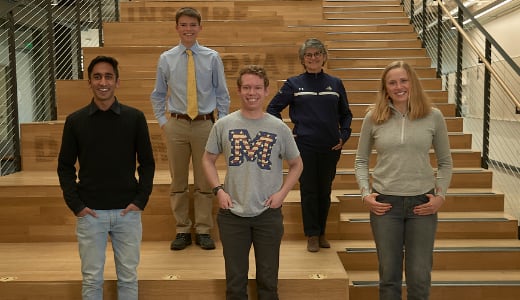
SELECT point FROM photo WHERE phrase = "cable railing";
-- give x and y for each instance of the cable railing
(40, 42)
(481, 79)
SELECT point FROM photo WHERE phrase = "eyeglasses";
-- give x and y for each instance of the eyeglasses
(311, 55)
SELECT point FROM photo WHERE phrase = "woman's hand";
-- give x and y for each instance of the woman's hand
(431, 207)
(375, 207)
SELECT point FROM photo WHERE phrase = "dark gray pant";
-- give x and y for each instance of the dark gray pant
(402, 234)
(237, 234)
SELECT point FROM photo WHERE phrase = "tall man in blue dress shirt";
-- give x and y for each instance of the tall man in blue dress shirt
(186, 136)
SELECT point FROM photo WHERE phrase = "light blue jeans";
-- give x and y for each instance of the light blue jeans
(402, 234)
(125, 233)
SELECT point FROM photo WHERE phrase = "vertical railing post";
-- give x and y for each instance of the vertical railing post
(79, 53)
(458, 74)
(51, 62)
(12, 92)
(423, 24)
(412, 12)
(100, 23)
(116, 10)
(487, 109)
(439, 41)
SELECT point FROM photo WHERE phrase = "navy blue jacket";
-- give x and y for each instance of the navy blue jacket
(318, 107)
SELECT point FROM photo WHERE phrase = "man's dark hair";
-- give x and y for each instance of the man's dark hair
(187, 11)
(107, 59)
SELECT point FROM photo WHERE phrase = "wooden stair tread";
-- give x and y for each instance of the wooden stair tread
(342, 245)
(480, 215)
(443, 276)
(59, 261)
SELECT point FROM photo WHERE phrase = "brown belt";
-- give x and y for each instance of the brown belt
(197, 118)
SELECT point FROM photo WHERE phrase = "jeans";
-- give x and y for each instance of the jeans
(265, 232)
(125, 233)
(400, 233)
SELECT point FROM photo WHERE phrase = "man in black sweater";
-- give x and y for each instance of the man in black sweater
(109, 141)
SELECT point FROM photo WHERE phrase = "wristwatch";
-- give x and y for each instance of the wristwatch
(217, 188)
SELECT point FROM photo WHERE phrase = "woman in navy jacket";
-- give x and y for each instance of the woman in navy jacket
(319, 109)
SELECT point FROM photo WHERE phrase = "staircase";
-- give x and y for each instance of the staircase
(477, 253)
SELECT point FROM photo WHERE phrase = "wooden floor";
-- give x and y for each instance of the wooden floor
(177, 273)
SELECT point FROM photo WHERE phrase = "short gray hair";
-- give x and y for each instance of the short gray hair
(312, 43)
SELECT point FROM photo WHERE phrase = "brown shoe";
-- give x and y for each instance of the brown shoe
(313, 244)
(323, 242)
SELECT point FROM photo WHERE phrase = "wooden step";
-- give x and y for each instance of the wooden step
(452, 225)
(376, 52)
(70, 95)
(375, 73)
(54, 272)
(376, 62)
(37, 196)
(461, 178)
(140, 62)
(447, 285)
(367, 18)
(457, 200)
(41, 141)
(365, 7)
(219, 10)
(448, 254)
(366, 15)
(383, 43)
(232, 31)
(355, 35)
(338, 29)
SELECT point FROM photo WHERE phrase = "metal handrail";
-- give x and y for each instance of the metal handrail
(480, 55)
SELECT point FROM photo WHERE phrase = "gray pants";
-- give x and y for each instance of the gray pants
(237, 234)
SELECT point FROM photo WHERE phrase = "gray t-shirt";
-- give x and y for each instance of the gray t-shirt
(254, 150)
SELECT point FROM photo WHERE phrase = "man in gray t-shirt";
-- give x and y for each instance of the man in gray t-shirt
(254, 145)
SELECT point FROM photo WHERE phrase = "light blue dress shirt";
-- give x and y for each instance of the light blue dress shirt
(212, 89)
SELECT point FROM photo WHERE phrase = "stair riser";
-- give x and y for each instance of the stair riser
(482, 292)
(445, 230)
(488, 260)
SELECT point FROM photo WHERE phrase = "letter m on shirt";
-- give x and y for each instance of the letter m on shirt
(243, 148)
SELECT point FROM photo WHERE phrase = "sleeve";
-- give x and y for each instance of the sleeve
(146, 163)
(281, 100)
(363, 154)
(67, 170)
(441, 145)
(344, 114)
(158, 96)
(221, 89)
(214, 141)
(291, 150)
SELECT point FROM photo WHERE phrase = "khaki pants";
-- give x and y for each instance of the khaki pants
(184, 140)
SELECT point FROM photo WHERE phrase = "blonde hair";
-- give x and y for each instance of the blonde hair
(419, 104)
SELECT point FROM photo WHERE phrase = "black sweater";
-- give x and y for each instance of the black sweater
(106, 145)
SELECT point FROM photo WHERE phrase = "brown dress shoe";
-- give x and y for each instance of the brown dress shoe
(313, 244)
(323, 242)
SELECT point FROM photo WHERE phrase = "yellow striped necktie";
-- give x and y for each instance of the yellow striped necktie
(191, 87)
